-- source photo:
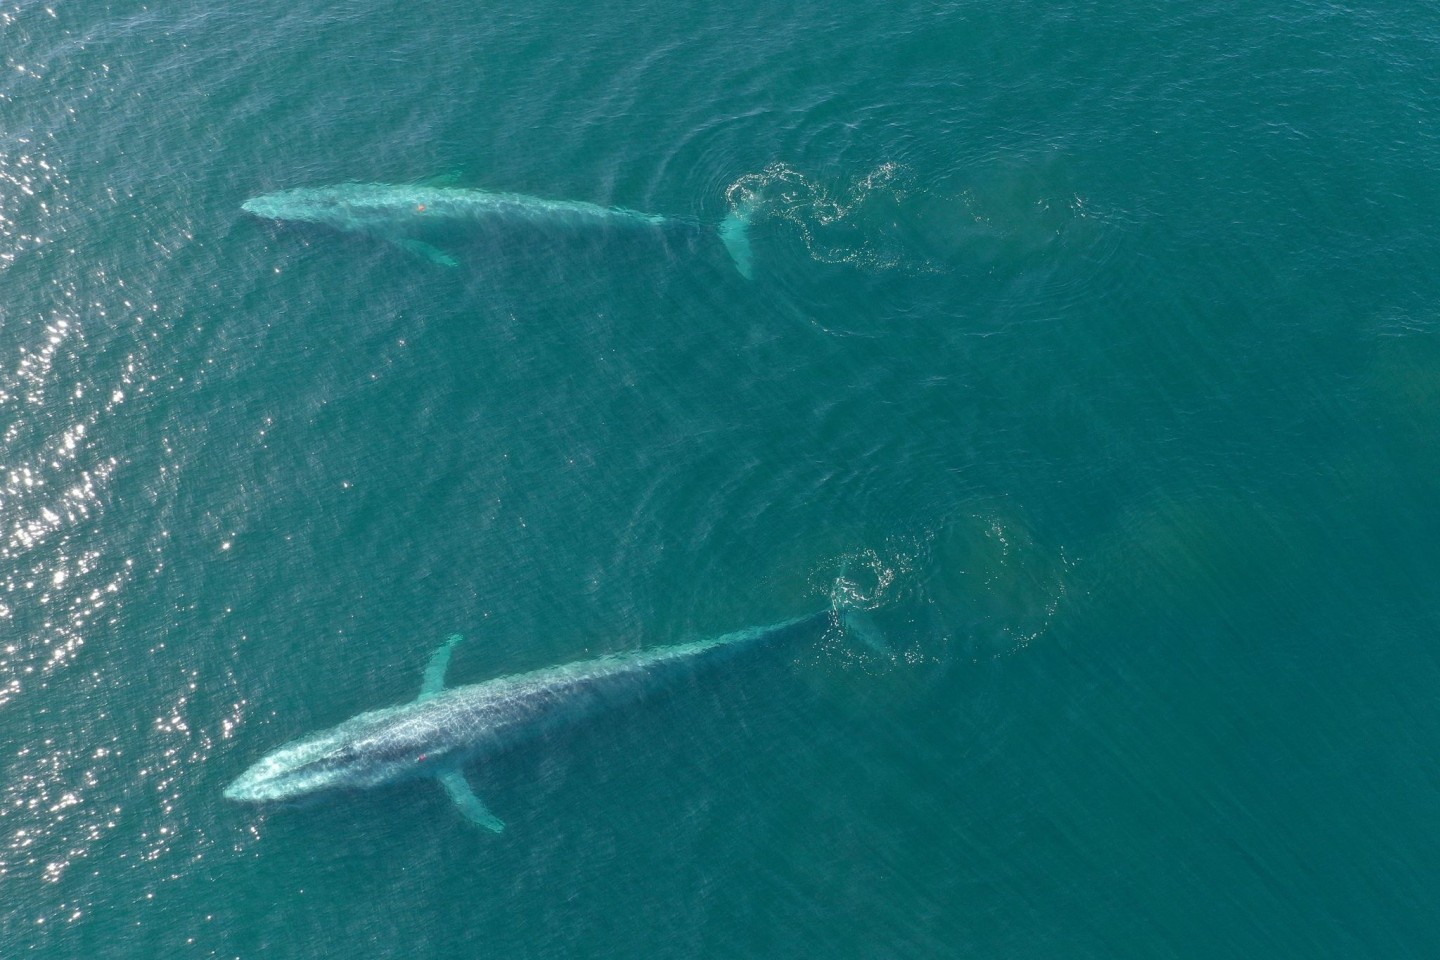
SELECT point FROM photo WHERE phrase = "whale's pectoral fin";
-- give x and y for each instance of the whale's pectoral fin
(424, 250)
(472, 806)
(434, 680)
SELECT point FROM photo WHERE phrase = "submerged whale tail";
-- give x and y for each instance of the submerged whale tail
(853, 605)
(858, 624)
(735, 234)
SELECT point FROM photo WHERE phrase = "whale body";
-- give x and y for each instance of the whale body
(443, 730)
(410, 216)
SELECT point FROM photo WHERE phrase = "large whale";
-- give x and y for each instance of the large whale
(443, 730)
(417, 217)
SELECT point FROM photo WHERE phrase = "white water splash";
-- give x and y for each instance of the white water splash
(976, 588)
(861, 225)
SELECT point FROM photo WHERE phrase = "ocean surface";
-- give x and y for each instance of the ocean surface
(1094, 349)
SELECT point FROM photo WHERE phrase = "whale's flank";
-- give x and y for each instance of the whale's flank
(415, 217)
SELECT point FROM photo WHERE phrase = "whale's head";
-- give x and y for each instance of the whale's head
(343, 206)
(299, 769)
(361, 752)
(310, 205)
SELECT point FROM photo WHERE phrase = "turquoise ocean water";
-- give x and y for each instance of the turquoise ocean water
(1095, 347)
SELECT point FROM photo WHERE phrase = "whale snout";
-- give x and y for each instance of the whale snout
(261, 783)
(290, 772)
(323, 205)
(237, 791)
(264, 207)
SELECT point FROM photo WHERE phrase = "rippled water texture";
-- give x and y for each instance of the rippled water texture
(1091, 354)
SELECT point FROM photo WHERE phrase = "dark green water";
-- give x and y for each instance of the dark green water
(1097, 347)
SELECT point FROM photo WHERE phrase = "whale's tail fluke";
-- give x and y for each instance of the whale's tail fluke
(735, 234)
(858, 624)
(855, 598)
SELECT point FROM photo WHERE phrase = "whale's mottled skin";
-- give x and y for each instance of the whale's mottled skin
(409, 215)
(445, 729)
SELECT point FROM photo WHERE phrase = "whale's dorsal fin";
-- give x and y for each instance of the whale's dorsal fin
(434, 680)
(470, 805)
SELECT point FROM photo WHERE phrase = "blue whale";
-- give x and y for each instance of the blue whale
(443, 730)
(411, 215)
